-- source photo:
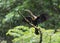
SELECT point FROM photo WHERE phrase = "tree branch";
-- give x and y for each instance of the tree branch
(33, 26)
(31, 13)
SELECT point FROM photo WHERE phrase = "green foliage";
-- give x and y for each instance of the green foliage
(10, 20)
(25, 34)
(20, 30)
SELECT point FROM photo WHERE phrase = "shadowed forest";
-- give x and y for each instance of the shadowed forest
(29, 21)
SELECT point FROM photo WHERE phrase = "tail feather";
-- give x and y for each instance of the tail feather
(36, 31)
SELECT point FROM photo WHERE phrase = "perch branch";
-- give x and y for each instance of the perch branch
(31, 13)
(33, 26)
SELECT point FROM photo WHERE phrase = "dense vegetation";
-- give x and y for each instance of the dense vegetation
(13, 30)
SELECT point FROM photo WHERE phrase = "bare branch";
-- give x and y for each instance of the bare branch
(31, 13)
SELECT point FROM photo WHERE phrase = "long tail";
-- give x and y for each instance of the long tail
(36, 31)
